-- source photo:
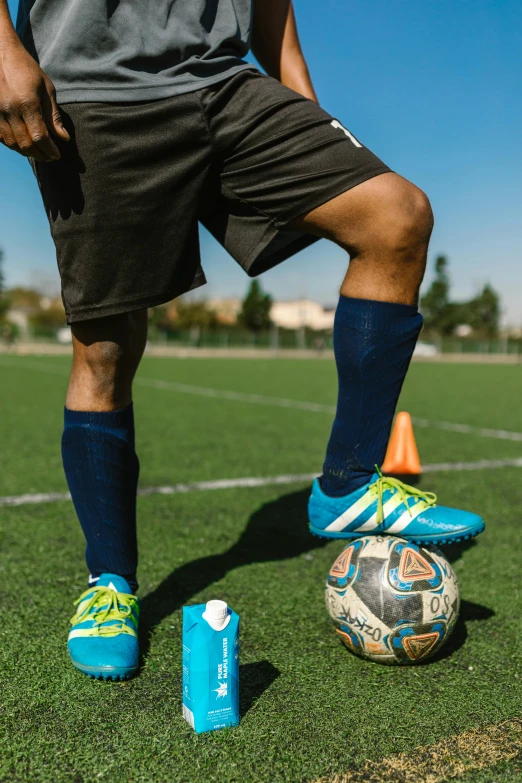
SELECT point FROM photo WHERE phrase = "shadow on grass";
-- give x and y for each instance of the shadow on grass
(276, 531)
(255, 679)
(469, 612)
(453, 552)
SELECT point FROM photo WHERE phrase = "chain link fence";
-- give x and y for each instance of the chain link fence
(290, 339)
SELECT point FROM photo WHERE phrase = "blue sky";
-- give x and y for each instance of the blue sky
(434, 87)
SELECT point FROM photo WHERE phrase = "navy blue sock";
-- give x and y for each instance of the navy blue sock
(102, 471)
(373, 345)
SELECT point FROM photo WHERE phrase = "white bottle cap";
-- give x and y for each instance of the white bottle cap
(216, 614)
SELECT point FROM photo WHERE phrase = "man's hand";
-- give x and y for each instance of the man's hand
(29, 115)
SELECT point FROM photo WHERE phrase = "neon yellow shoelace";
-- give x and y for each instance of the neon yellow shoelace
(106, 605)
(405, 491)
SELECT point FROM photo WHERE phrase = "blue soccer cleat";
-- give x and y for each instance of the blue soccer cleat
(388, 506)
(103, 641)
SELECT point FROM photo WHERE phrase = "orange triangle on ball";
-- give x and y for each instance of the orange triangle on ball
(413, 566)
(342, 564)
(402, 456)
(419, 646)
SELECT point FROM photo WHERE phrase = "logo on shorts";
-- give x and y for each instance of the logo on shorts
(337, 124)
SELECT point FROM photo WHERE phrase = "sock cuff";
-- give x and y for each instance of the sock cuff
(119, 419)
(375, 316)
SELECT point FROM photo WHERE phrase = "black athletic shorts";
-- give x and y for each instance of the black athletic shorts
(244, 156)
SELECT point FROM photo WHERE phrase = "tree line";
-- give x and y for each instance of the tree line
(442, 316)
(254, 314)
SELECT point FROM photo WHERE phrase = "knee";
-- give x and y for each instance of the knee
(104, 360)
(107, 352)
(407, 219)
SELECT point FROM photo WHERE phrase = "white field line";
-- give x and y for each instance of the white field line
(278, 402)
(175, 489)
(481, 464)
(466, 429)
(262, 481)
(257, 399)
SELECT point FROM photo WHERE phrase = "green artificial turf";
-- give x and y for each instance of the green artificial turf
(309, 708)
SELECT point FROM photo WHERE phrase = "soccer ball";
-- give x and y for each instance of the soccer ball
(392, 601)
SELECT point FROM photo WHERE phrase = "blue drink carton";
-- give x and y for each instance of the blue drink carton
(210, 681)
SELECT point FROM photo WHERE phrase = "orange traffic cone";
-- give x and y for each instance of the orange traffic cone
(402, 457)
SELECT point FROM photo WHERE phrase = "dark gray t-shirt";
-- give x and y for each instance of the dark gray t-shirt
(132, 50)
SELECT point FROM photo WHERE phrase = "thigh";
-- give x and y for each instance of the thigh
(122, 204)
(367, 213)
(281, 153)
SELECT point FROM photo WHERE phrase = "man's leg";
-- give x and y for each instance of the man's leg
(385, 225)
(291, 169)
(102, 469)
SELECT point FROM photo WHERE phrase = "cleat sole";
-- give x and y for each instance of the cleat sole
(107, 673)
(108, 678)
(442, 541)
(424, 541)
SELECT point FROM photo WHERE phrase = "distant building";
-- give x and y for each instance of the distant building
(302, 312)
(463, 330)
(20, 317)
(226, 310)
(29, 309)
(293, 314)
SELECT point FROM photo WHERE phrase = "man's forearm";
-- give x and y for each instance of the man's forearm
(275, 43)
(7, 31)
